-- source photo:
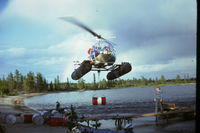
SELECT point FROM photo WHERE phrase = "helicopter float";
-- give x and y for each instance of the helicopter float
(102, 56)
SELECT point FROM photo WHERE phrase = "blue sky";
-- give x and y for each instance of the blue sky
(157, 37)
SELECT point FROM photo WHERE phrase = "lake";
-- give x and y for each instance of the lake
(119, 101)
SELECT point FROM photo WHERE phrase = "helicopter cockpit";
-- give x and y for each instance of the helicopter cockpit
(101, 47)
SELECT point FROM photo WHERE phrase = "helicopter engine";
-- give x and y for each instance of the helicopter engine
(121, 70)
(84, 68)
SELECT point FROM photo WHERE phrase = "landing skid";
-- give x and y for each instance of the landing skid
(113, 67)
(116, 70)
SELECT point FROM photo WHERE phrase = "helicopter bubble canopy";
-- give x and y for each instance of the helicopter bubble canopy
(101, 47)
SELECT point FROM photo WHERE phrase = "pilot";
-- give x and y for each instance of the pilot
(93, 53)
(106, 49)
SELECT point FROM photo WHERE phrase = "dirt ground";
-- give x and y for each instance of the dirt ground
(31, 128)
(186, 127)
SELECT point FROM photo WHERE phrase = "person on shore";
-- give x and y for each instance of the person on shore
(57, 106)
(158, 100)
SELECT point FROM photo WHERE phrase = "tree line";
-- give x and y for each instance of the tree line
(16, 83)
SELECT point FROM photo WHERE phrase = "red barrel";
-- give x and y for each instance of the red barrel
(94, 100)
(103, 100)
(99, 100)
(28, 118)
(58, 121)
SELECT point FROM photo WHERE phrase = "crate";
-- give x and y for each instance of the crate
(169, 106)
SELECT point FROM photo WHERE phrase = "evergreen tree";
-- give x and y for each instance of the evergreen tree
(22, 81)
(162, 79)
(187, 77)
(81, 84)
(40, 86)
(178, 78)
(19, 80)
(57, 83)
(134, 82)
(156, 79)
(143, 80)
(29, 82)
(67, 84)
(45, 84)
(51, 88)
(11, 83)
(4, 90)
(102, 84)
(110, 83)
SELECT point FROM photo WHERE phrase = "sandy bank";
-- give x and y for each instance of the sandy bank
(8, 104)
(11, 99)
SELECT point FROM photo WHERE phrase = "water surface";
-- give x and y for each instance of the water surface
(119, 101)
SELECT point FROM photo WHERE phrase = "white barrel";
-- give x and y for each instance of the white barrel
(65, 110)
(99, 100)
(53, 112)
(128, 126)
(2, 117)
(37, 119)
(56, 113)
(45, 114)
(76, 130)
(20, 119)
(10, 119)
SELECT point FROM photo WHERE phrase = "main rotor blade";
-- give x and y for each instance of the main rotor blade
(79, 24)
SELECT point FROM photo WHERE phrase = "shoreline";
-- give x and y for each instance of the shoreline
(159, 85)
(10, 100)
(15, 104)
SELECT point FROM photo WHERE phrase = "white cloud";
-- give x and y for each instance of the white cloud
(48, 10)
(50, 61)
(176, 65)
(13, 52)
(74, 44)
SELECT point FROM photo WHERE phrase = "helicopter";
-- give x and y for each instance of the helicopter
(102, 56)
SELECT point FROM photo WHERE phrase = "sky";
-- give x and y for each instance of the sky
(157, 37)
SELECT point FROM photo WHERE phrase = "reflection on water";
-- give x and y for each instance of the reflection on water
(119, 101)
